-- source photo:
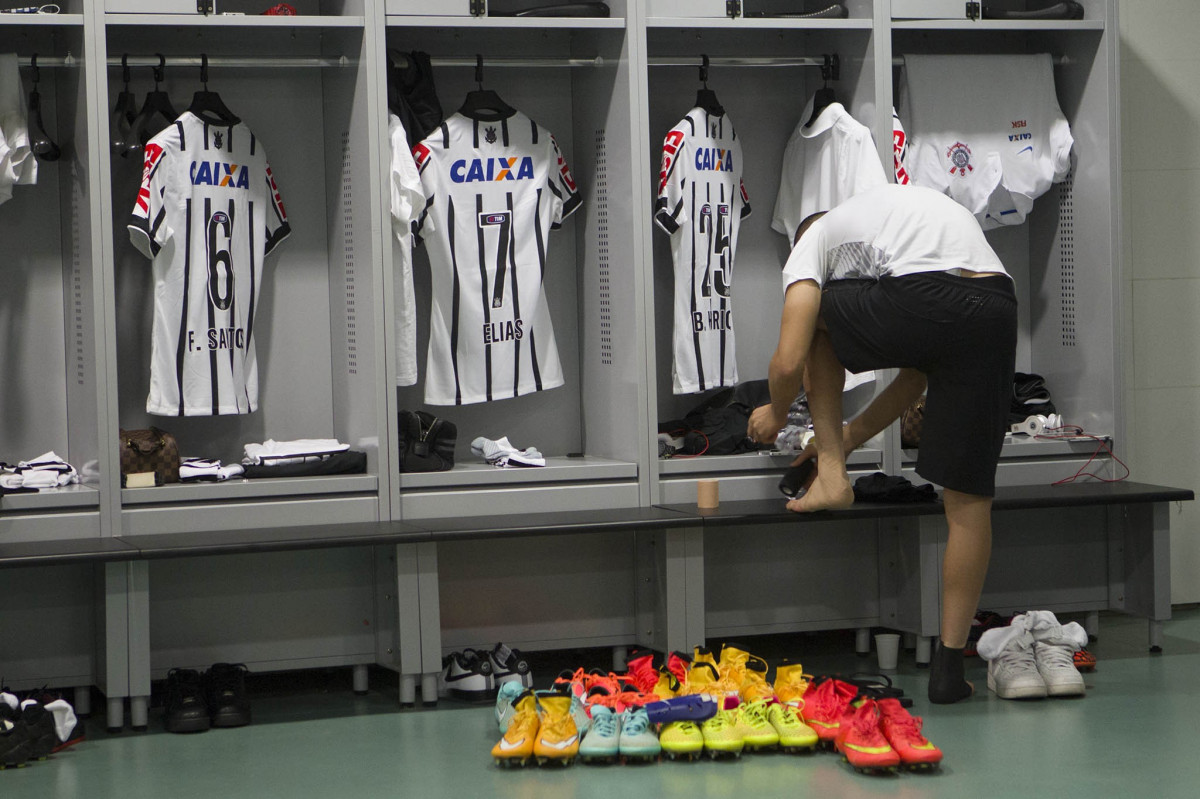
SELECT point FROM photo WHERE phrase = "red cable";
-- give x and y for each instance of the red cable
(1072, 431)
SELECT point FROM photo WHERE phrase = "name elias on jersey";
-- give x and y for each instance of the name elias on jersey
(217, 338)
(714, 159)
(498, 332)
(219, 173)
(712, 320)
(479, 170)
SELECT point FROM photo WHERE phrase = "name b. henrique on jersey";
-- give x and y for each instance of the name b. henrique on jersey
(494, 189)
(207, 213)
(701, 202)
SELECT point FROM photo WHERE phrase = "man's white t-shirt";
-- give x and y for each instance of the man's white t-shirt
(407, 200)
(891, 231)
(824, 165)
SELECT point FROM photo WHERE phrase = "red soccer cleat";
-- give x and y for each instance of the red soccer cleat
(825, 702)
(863, 743)
(903, 731)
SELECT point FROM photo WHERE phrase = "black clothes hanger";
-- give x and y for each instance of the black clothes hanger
(484, 104)
(157, 104)
(207, 105)
(825, 95)
(120, 126)
(40, 142)
(706, 98)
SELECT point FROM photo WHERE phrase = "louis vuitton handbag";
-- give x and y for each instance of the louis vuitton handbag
(151, 450)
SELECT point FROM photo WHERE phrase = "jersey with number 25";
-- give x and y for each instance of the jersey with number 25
(207, 213)
(494, 188)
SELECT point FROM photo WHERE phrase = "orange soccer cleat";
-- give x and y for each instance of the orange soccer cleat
(903, 731)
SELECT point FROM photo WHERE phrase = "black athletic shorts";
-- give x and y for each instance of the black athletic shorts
(961, 332)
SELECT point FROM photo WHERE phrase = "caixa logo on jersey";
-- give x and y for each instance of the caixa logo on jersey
(218, 173)
(714, 159)
(480, 170)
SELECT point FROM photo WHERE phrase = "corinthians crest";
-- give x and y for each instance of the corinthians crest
(960, 159)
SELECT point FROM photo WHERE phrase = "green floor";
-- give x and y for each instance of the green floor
(1136, 732)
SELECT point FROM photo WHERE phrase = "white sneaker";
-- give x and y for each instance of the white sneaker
(1014, 674)
(1056, 663)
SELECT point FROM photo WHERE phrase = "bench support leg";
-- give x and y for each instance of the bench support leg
(620, 655)
(429, 694)
(116, 714)
(139, 713)
(1156, 636)
(408, 690)
(670, 589)
(862, 641)
(1140, 564)
(1091, 623)
(360, 680)
(83, 700)
(924, 651)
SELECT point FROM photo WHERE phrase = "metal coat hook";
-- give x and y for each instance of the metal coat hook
(160, 70)
(479, 71)
(125, 76)
(704, 69)
(37, 73)
(204, 70)
(826, 70)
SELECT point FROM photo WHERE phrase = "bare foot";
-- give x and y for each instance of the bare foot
(824, 494)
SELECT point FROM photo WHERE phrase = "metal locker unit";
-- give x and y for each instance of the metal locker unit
(1065, 258)
(51, 350)
(763, 72)
(573, 77)
(305, 86)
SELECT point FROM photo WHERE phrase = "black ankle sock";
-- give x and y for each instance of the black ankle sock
(946, 682)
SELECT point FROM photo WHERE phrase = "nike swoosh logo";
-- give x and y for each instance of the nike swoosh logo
(1029, 148)
(467, 676)
(560, 744)
(507, 745)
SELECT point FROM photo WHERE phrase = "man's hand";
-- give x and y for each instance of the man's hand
(764, 425)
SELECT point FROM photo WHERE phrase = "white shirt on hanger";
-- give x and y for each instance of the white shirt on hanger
(824, 165)
(407, 200)
(986, 130)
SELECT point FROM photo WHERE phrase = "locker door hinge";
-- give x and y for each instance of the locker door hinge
(973, 11)
(733, 8)
(204, 6)
(478, 8)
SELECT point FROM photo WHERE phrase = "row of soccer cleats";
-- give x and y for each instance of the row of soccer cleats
(715, 705)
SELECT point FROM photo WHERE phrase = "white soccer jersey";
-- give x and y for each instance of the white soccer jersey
(407, 200)
(701, 202)
(207, 213)
(494, 188)
(986, 130)
(823, 165)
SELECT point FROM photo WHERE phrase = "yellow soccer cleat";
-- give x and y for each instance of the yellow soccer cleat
(790, 684)
(516, 747)
(557, 739)
(757, 731)
(794, 734)
(681, 739)
(747, 672)
(722, 735)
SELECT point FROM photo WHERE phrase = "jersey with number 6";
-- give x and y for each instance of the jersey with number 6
(207, 213)
(701, 203)
(493, 191)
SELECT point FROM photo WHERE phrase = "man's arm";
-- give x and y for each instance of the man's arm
(801, 304)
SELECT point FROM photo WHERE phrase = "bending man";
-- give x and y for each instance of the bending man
(902, 277)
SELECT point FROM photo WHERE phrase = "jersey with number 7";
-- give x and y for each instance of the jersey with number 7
(207, 213)
(494, 189)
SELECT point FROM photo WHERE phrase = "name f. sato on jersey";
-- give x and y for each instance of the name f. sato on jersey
(207, 213)
(494, 189)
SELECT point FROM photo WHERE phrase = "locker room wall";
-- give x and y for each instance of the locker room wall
(1161, 288)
